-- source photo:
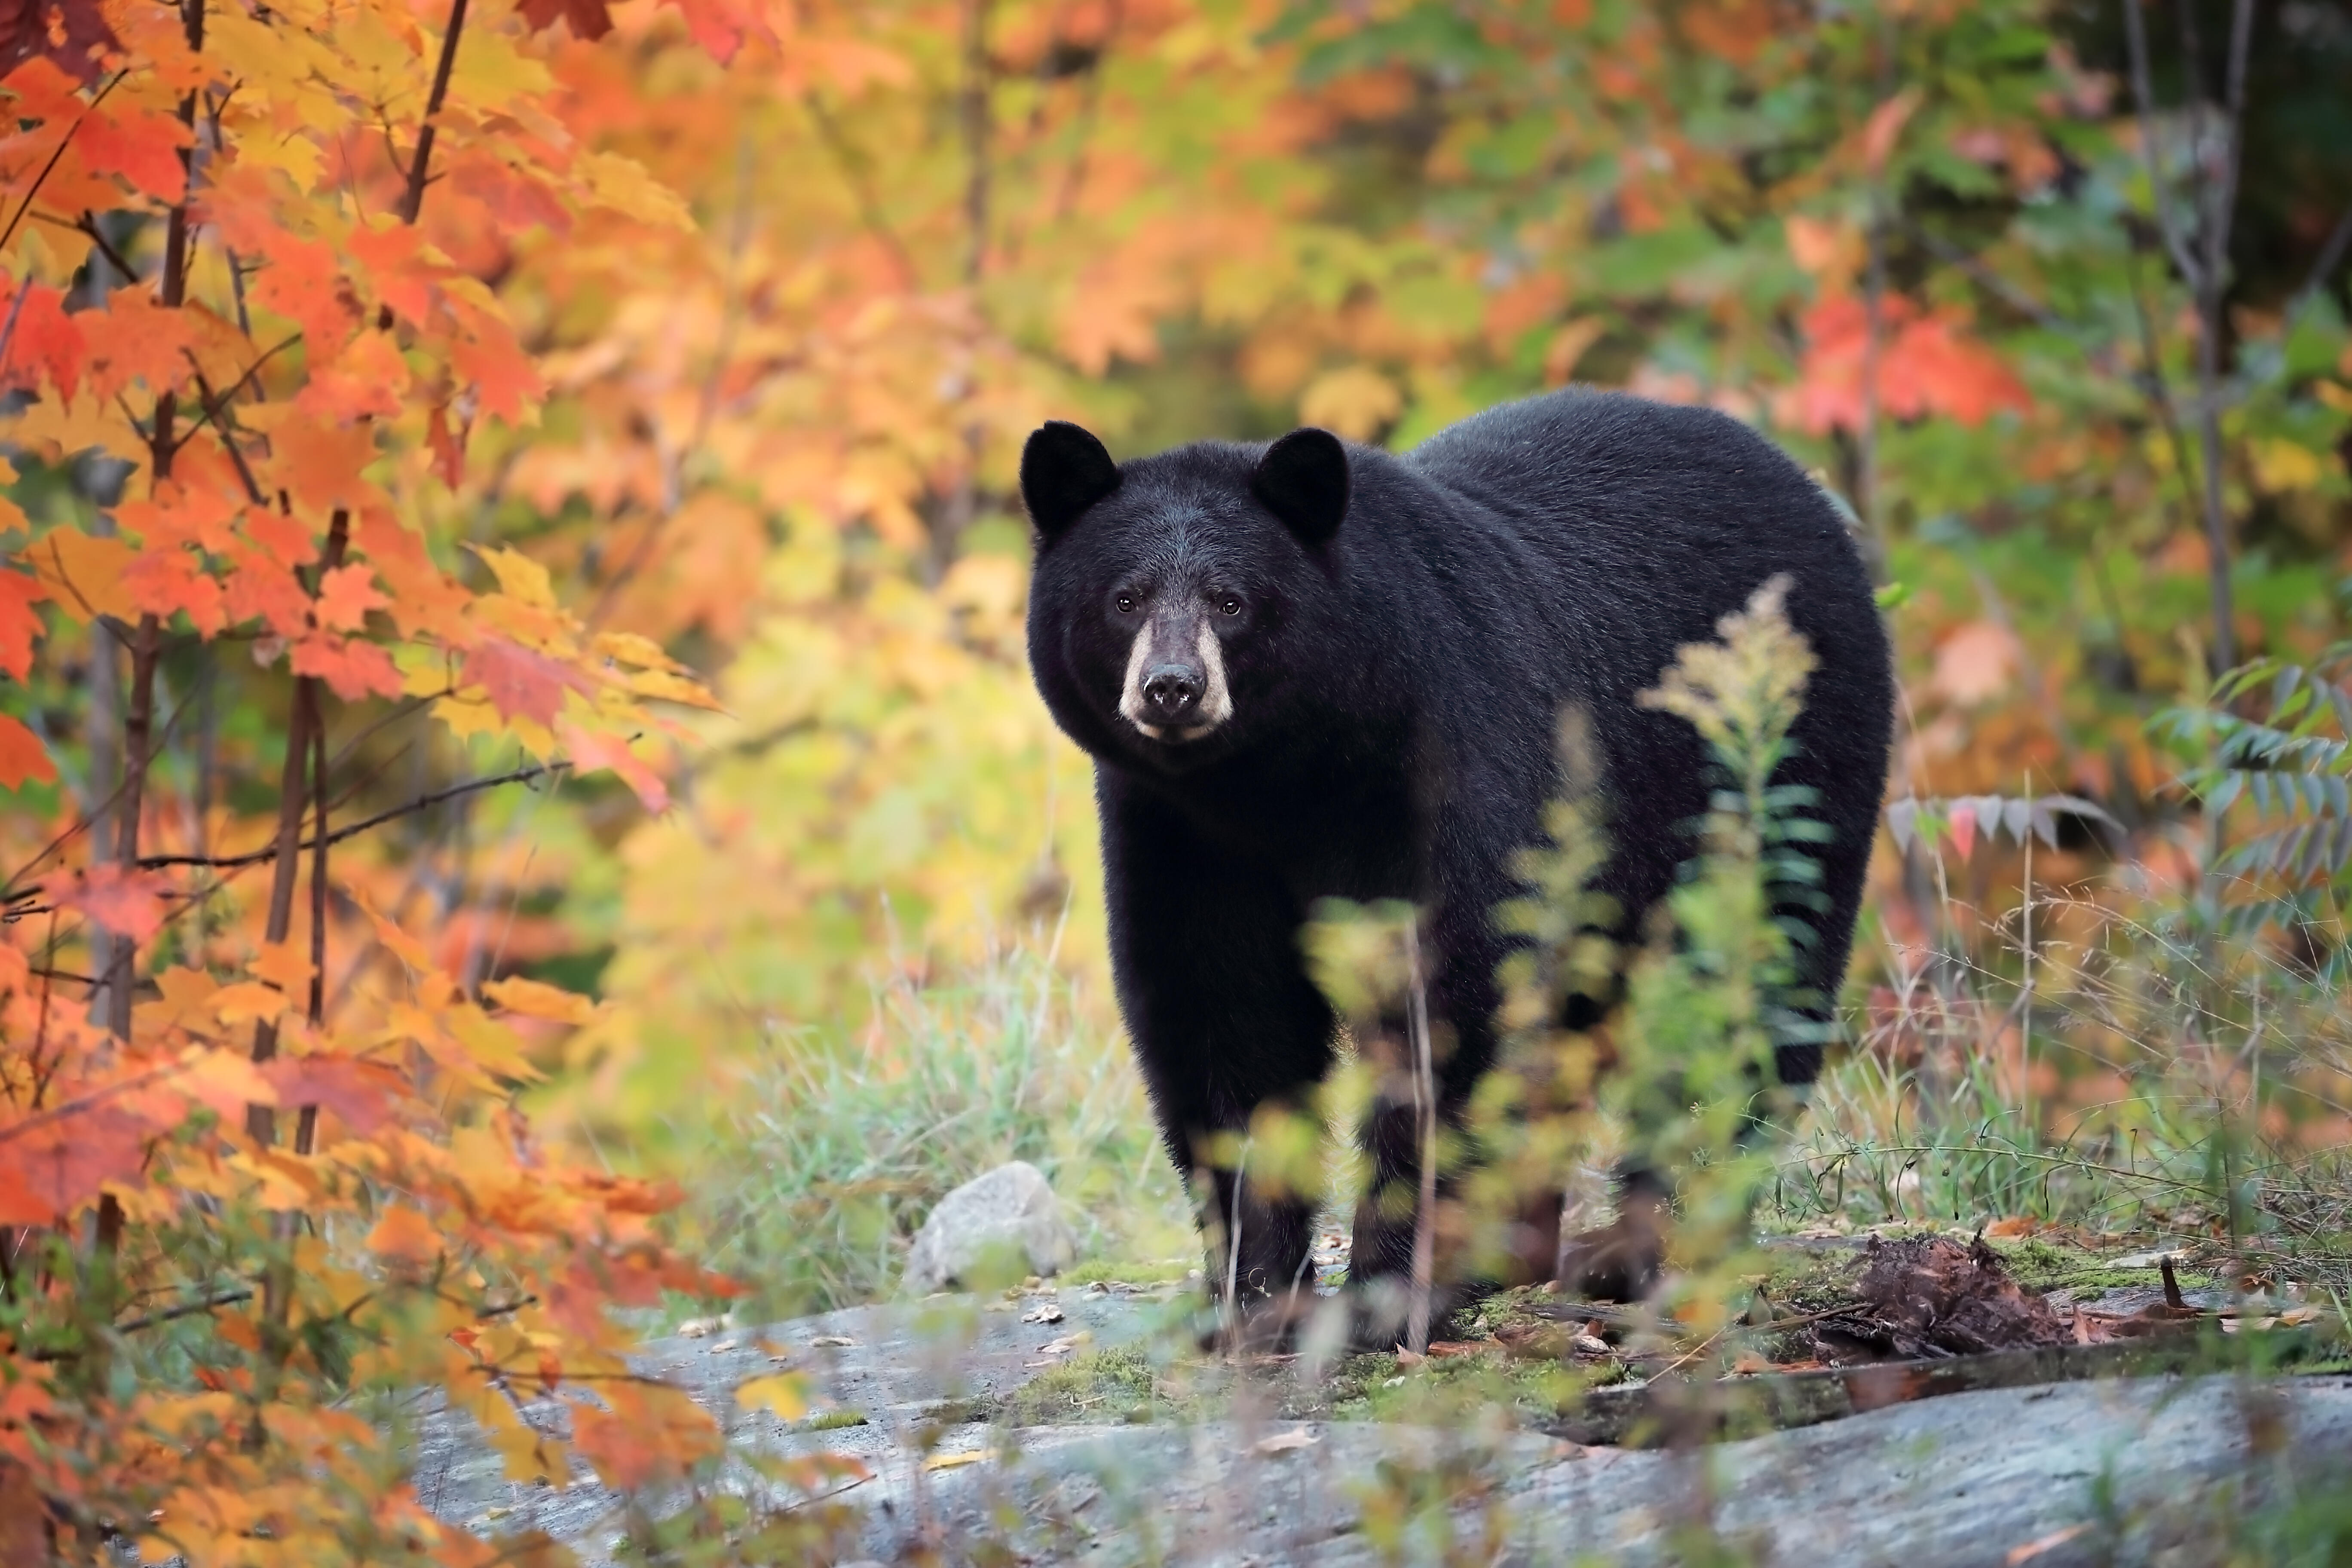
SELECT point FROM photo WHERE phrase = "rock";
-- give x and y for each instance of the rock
(1009, 1209)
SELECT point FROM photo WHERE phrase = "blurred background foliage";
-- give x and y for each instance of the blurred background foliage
(2071, 346)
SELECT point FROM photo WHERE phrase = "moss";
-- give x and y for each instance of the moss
(1120, 1271)
(832, 1421)
(1106, 1385)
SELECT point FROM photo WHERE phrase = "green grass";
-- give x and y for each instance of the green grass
(840, 1150)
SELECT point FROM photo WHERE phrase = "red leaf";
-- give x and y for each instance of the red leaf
(58, 1166)
(47, 339)
(25, 33)
(1964, 828)
(353, 667)
(141, 145)
(522, 684)
(587, 18)
(19, 624)
(361, 1093)
(592, 752)
(22, 755)
(128, 904)
(260, 587)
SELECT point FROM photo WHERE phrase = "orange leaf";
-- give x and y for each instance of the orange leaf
(19, 624)
(345, 597)
(22, 755)
(165, 582)
(353, 667)
(281, 964)
(321, 463)
(649, 1434)
(83, 573)
(404, 1235)
(404, 947)
(521, 683)
(135, 339)
(128, 904)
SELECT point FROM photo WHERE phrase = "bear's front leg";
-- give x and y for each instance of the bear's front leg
(1459, 1002)
(1226, 1025)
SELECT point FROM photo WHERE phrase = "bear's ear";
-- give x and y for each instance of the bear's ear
(1064, 470)
(1302, 479)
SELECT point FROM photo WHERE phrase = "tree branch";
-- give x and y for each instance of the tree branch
(2143, 105)
(352, 830)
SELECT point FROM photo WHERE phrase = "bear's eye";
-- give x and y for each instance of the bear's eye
(1230, 605)
(1126, 602)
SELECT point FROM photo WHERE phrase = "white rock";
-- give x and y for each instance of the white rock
(1011, 1206)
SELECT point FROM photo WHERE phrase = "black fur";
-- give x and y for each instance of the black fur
(1410, 628)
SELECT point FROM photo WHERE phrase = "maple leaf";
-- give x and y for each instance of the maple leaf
(135, 339)
(346, 594)
(54, 1168)
(140, 144)
(22, 755)
(361, 1093)
(650, 1434)
(352, 668)
(522, 684)
(19, 624)
(537, 999)
(164, 582)
(592, 752)
(129, 903)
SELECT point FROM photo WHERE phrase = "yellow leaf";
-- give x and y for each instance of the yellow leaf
(491, 1043)
(664, 686)
(628, 648)
(225, 1082)
(520, 577)
(537, 999)
(1355, 401)
(2339, 398)
(67, 429)
(83, 574)
(784, 1392)
(957, 1462)
(282, 966)
(2281, 466)
(624, 186)
(249, 1001)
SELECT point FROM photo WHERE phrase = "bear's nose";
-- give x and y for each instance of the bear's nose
(1172, 692)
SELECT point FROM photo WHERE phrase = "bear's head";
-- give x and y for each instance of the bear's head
(1167, 587)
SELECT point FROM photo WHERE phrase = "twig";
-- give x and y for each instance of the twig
(351, 829)
(1424, 1096)
(41, 179)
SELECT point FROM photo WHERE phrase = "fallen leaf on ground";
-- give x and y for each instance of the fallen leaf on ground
(957, 1462)
(2050, 1542)
(1284, 1442)
(1064, 1346)
(1409, 1358)
(832, 1341)
(1048, 1313)
(1459, 1347)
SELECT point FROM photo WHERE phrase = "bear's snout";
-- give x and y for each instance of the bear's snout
(1175, 688)
(1173, 693)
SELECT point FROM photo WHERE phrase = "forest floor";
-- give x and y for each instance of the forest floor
(1078, 1424)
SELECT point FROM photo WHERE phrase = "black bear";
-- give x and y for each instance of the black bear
(1313, 669)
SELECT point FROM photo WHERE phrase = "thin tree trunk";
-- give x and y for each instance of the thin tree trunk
(960, 507)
